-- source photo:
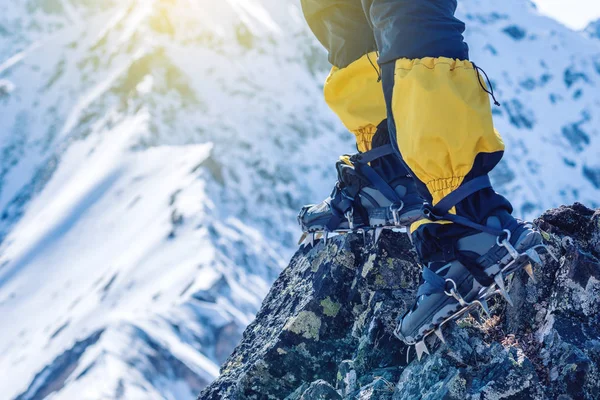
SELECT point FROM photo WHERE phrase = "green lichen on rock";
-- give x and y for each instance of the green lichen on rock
(380, 280)
(306, 324)
(344, 258)
(330, 308)
(368, 266)
(233, 364)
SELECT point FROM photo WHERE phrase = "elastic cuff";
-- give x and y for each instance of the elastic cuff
(364, 138)
(440, 188)
(432, 62)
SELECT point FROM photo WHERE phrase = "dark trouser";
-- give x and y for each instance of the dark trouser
(411, 29)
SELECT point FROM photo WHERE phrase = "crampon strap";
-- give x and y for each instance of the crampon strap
(433, 283)
(441, 211)
(361, 163)
(341, 203)
(372, 155)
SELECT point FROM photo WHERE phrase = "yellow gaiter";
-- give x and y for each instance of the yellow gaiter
(355, 95)
(443, 123)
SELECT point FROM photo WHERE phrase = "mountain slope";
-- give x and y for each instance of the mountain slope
(125, 260)
(155, 154)
(593, 29)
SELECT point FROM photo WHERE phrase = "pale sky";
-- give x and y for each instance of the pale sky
(576, 14)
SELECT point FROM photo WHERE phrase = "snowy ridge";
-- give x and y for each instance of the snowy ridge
(155, 154)
(593, 29)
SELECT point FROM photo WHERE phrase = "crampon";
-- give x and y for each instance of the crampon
(481, 265)
(465, 306)
(365, 200)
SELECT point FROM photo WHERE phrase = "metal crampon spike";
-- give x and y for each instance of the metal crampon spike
(502, 289)
(408, 354)
(484, 306)
(476, 316)
(378, 232)
(302, 238)
(534, 256)
(529, 269)
(440, 335)
(550, 252)
(326, 237)
(508, 246)
(312, 239)
(350, 217)
(364, 234)
(547, 249)
(421, 348)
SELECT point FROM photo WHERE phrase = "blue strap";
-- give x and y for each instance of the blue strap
(441, 209)
(361, 163)
(378, 182)
(339, 208)
(378, 152)
(428, 212)
(461, 193)
(433, 283)
(411, 199)
(338, 205)
(467, 222)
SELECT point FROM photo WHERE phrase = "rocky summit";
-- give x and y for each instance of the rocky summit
(325, 329)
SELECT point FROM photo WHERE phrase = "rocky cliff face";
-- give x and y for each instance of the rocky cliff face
(324, 331)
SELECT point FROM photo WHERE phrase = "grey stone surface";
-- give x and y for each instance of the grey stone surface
(328, 320)
(320, 390)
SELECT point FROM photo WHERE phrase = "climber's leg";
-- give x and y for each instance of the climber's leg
(353, 89)
(373, 188)
(441, 123)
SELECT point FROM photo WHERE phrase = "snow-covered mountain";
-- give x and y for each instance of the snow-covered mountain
(150, 160)
(155, 154)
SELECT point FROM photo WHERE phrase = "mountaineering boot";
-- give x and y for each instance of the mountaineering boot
(373, 191)
(356, 203)
(465, 270)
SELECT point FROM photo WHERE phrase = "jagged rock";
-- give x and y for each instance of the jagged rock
(346, 379)
(328, 321)
(320, 390)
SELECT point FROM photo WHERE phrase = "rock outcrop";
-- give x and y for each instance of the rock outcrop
(325, 329)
